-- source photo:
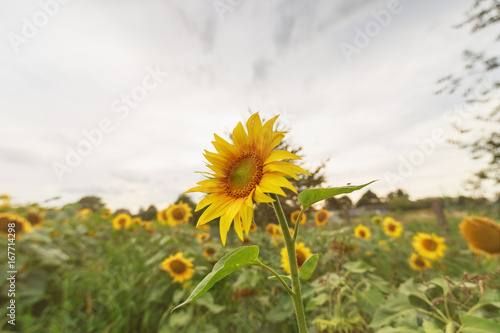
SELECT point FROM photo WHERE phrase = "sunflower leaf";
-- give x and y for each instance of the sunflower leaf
(311, 196)
(234, 260)
(308, 267)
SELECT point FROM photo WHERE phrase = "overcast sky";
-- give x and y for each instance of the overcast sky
(354, 82)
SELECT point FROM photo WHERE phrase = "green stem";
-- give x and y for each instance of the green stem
(296, 228)
(280, 279)
(294, 268)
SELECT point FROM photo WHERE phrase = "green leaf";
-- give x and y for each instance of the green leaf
(471, 324)
(311, 196)
(395, 306)
(308, 267)
(442, 283)
(369, 300)
(317, 301)
(358, 267)
(233, 261)
(430, 327)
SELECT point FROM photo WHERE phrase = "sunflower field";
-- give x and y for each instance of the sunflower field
(80, 270)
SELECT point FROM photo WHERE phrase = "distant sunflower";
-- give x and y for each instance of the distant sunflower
(136, 221)
(35, 219)
(209, 251)
(204, 238)
(5, 198)
(204, 227)
(84, 214)
(162, 216)
(242, 174)
(179, 213)
(121, 220)
(253, 227)
(91, 233)
(295, 215)
(376, 220)
(429, 246)
(271, 227)
(392, 227)
(481, 234)
(362, 232)
(179, 268)
(321, 217)
(106, 213)
(21, 225)
(418, 263)
(302, 253)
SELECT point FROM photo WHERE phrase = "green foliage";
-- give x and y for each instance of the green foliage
(311, 196)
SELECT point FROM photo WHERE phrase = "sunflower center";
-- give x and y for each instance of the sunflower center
(391, 227)
(178, 266)
(362, 233)
(122, 222)
(178, 213)
(429, 244)
(300, 258)
(321, 216)
(419, 262)
(243, 175)
(210, 251)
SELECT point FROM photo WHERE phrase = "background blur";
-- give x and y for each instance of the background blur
(120, 98)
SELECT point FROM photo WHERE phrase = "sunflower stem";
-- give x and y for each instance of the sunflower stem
(294, 268)
(280, 279)
(296, 228)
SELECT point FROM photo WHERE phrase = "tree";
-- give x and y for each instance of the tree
(91, 202)
(479, 134)
(369, 198)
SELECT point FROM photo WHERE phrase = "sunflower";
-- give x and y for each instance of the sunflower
(481, 234)
(178, 267)
(253, 227)
(302, 253)
(136, 221)
(209, 251)
(178, 214)
(91, 233)
(270, 228)
(21, 225)
(106, 213)
(321, 217)
(392, 227)
(243, 173)
(84, 214)
(35, 219)
(376, 220)
(121, 220)
(5, 198)
(54, 233)
(204, 238)
(362, 232)
(162, 216)
(295, 214)
(429, 246)
(418, 263)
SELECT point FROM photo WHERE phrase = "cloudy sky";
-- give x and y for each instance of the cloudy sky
(120, 98)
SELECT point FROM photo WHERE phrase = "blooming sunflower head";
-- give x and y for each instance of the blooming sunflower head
(21, 225)
(376, 220)
(429, 246)
(161, 216)
(205, 227)
(136, 221)
(295, 215)
(481, 234)
(253, 227)
(179, 268)
(84, 214)
(121, 221)
(362, 232)
(418, 263)
(321, 217)
(106, 213)
(178, 214)
(208, 252)
(271, 227)
(35, 219)
(302, 252)
(204, 238)
(242, 173)
(392, 227)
